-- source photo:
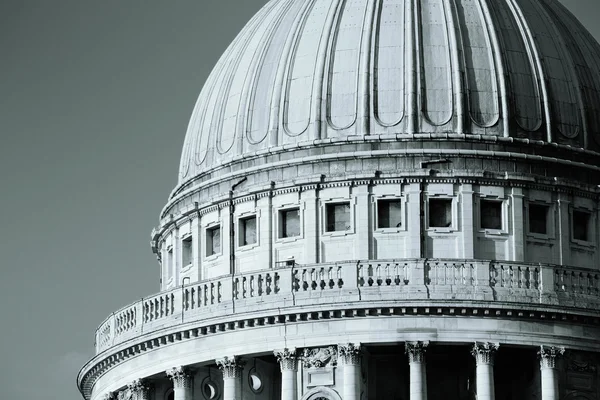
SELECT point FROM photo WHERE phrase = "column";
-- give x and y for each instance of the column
(350, 356)
(139, 390)
(288, 361)
(484, 355)
(418, 369)
(549, 372)
(232, 368)
(182, 383)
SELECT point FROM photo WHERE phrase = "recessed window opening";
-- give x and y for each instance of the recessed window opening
(389, 213)
(581, 224)
(248, 231)
(213, 240)
(170, 262)
(289, 223)
(491, 214)
(440, 213)
(538, 218)
(186, 251)
(337, 217)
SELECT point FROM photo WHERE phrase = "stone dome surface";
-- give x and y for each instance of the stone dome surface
(304, 71)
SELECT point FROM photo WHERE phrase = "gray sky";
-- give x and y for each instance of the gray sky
(94, 102)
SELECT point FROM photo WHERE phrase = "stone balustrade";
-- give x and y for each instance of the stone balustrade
(419, 281)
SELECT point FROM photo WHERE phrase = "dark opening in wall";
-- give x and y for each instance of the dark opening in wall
(186, 251)
(491, 214)
(440, 213)
(289, 223)
(538, 218)
(581, 223)
(389, 213)
(248, 231)
(213, 240)
(338, 217)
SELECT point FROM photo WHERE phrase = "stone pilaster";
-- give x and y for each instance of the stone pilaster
(232, 368)
(350, 356)
(484, 356)
(418, 369)
(288, 362)
(139, 390)
(548, 356)
(182, 382)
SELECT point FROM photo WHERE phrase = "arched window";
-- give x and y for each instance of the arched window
(322, 393)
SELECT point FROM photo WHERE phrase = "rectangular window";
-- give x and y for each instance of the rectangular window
(337, 217)
(491, 214)
(213, 241)
(289, 223)
(186, 251)
(170, 263)
(440, 213)
(389, 213)
(538, 218)
(248, 231)
(581, 225)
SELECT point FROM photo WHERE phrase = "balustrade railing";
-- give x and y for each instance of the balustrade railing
(395, 280)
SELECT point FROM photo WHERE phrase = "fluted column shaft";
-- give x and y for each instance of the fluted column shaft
(418, 370)
(182, 383)
(232, 368)
(288, 361)
(350, 356)
(548, 356)
(484, 355)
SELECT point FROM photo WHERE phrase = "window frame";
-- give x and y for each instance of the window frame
(550, 228)
(403, 218)
(241, 230)
(279, 211)
(324, 216)
(591, 234)
(504, 211)
(187, 238)
(208, 236)
(453, 211)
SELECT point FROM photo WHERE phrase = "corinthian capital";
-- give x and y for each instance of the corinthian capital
(109, 396)
(416, 351)
(139, 390)
(548, 356)
(288, 360)
(181, 377)
(231, 366)
(350, 353)
(484, 352)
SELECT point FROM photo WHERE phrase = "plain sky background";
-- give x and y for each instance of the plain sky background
(95, 97)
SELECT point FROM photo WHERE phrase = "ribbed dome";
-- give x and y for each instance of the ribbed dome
(306, 70)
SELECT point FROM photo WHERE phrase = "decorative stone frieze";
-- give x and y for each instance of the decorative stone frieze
(350, 353)
(320, 357)
(181, 377)
(416, 351)
(231, 367)
(288, 360)
(484, 352)
(548, 355)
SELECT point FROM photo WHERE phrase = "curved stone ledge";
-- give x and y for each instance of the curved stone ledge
(368, 282)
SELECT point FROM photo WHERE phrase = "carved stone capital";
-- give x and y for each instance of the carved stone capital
(231, 367)
(416, 351)
(136, 390)
(484, 352)
(181, 377)
(350, 353)
(109, 396)
(288, 360)
(320, 357)
(548, 355)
